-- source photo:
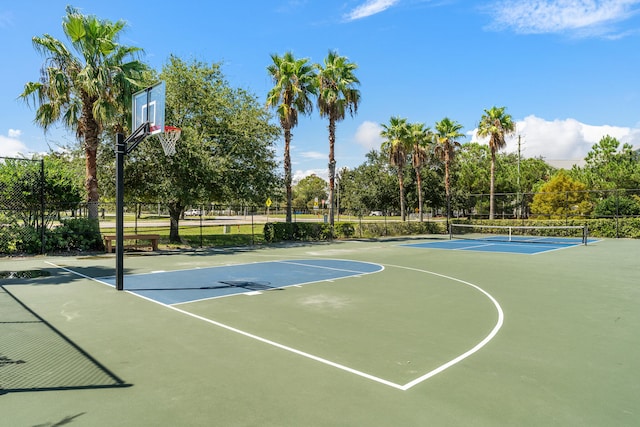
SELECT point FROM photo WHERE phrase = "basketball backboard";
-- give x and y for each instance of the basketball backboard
(148, 106)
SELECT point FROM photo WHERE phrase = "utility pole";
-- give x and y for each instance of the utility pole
(518, 206)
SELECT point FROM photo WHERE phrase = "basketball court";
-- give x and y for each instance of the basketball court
(371, 333)
(375, 333)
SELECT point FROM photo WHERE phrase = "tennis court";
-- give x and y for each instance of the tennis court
(514, 246)
(349, 333)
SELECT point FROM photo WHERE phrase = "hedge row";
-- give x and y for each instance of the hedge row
(628, 227)
(300, 231)
(304, 231)
(72, 235)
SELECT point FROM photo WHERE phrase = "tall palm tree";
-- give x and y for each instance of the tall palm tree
(496, 125)
(397, 145)
(421, 140)
(294, 84)
(447, 132)
(85, 92)
(337, 95)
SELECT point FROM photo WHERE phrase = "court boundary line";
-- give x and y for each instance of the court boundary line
(486, 243)
(358, 274)
(475, 348)
(402, 387)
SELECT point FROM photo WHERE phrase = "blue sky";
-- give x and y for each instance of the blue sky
(566, 70)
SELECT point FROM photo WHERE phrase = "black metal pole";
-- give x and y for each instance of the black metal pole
(121, 149)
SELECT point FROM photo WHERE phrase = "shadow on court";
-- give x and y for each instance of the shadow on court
(246, 285)
(37, 357)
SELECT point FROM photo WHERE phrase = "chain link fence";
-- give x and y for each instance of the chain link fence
(23, 212)
(30, 210)
(594, 204)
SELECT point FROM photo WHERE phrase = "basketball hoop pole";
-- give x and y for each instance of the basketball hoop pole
(147, 114)
(121, 150)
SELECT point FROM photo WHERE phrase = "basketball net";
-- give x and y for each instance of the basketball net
(168, 139)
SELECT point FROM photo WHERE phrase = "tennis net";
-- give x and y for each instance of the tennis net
(556, 234)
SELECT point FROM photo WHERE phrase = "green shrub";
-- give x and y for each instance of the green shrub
(344, 229)
(79, 234)
(19, 239)
(614, 205)
(305, 231)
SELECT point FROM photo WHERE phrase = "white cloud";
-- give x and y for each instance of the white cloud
(11, 146)
(14, 133)
(370, 7)
(581, 17)
(315, 155)
(299, 174)
(368, 135)
(562, 142)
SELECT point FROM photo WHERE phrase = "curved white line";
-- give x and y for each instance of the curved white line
(404, 387)
(471, 351)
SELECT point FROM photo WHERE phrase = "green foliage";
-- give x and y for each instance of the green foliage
(618, 205)
(87, 87)
(24, 194)
(79, 234)
(308, 189)
(226, 148)
(344, 229)
(598, 228)
(302, 231)
(295, 81)
(561, 197)
(371, 186)
(609, 167)
(306, 231)
(19, 239)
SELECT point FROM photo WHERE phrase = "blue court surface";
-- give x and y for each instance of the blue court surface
(516, 247)
(175, 287)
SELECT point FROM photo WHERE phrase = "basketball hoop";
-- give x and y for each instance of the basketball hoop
(168, 139)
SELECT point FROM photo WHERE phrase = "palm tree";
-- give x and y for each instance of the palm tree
(447, 131)
(337, 96)
(421, 138)
(85, 92)
(397, 144)
(496, 125)
(294, 83)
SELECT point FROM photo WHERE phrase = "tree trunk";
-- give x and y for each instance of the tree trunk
(91, 132)
(446, 185)
(492, 203)
(287, 171)
(419, 183)
(332, 166)
(175, 210)
(401, 185)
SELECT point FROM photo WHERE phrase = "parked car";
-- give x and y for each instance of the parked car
(193, 212)
(375, 213)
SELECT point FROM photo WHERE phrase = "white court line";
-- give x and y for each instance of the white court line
(466, 248)
(469, 352)
(247, 334)
(357, 274)
(404, 387)
(323, 267)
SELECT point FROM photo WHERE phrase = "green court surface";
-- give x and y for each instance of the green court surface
(352, 333)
